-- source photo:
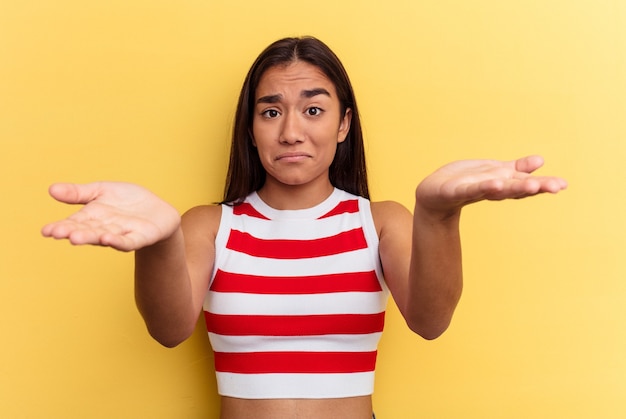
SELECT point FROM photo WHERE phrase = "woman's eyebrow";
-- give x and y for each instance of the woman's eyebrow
(314, 92)
(307, 94)
(269, 99)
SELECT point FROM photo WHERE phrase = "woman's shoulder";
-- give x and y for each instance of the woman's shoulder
(202, 218)
(204, 212)
(388, 209)
(390, 214)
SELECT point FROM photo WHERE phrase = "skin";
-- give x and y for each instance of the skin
(297, 126)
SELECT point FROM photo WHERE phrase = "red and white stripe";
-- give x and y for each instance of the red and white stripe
(296, 304)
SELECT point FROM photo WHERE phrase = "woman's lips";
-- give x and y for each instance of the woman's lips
(293, 156)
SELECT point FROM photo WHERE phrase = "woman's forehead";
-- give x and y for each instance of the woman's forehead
(297, 75)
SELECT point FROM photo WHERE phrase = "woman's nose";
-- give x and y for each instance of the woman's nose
(291, 132)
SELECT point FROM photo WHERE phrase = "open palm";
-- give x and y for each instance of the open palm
(123, 216)
(464, 182)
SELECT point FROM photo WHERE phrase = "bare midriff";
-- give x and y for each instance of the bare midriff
(342, 408)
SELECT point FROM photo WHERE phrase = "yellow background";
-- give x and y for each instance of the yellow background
(145, 91)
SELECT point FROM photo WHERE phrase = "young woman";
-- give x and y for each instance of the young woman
(293, 270)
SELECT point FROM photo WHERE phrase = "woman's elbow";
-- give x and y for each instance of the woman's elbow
(428, 331)
(170, 338)
(430, 324)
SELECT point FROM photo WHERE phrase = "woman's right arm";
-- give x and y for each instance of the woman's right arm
(174, 257)
(172, 276)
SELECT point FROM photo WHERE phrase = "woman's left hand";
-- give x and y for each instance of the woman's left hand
(463, 182)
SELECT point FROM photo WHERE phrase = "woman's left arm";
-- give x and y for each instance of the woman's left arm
(422, 264)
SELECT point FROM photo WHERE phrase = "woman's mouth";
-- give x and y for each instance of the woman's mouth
(293, 156)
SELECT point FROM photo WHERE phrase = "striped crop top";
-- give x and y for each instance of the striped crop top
(296, 303)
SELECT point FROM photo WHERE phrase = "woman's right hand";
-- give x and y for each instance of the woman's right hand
(123, 216)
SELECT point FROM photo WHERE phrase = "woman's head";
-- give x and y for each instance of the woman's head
(246, 173)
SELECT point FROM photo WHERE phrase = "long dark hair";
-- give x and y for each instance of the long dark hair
(245, 171)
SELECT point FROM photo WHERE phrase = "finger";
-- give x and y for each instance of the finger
(101, 238)
(59, 230)
(528, 164)
(76, 233)
(79, 234)
(533, 185)
(522, 188)
(72, 193)
(500, 189)
(553, 184)
(46, 230)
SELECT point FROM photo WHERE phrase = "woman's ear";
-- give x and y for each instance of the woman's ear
(344, 126)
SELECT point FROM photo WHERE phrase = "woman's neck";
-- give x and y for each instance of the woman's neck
(294, 197)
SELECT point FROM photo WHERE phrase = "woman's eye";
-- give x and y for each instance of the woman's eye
(270, 113)
(314, 111)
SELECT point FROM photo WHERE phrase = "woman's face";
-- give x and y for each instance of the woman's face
(297, 124)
